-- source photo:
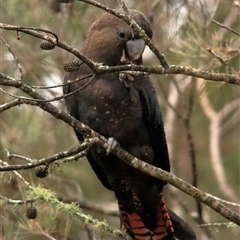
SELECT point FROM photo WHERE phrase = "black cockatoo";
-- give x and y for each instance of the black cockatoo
(124, 109)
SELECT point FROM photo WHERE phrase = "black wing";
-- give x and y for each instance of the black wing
(73, 109)
(153, 118)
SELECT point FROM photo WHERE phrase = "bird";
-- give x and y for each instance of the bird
(123, 108)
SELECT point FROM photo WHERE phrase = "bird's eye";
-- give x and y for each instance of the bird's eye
(121, 34)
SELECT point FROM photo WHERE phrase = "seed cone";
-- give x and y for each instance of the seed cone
(31, 213)
(71, 66)
(46, 45)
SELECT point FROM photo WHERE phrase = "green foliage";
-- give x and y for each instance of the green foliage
(40, 193)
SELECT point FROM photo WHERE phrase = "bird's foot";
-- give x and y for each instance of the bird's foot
(112, 143)
(127, 79)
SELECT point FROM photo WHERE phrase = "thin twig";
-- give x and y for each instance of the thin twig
(55, 98)
(64, 84)
(223, 26)
(14, 201)
(224, 224)
(16, 102)
(48, 160)
(228, 69)
(227, 202)
(18, 175)
(75, 157)
(14, 56)
(17, 157)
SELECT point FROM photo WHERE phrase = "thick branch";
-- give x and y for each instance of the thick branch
(129, 159)
(98, 69)
(178, 183)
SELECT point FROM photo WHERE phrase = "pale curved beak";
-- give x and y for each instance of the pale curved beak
(134, 49)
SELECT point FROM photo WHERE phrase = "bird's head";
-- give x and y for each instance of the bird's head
(112, 42)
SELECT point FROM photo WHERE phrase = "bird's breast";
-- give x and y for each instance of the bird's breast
(110, 107)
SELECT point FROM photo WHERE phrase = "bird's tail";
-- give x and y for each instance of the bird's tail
(134, 226)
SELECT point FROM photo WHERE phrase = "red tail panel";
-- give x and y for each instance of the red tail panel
(133, 225)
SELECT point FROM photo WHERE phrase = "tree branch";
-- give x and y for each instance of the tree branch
(125, 156)
(215, 119)
(44, 195)
(48, 160)
(223, 26)
(99, 69)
